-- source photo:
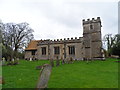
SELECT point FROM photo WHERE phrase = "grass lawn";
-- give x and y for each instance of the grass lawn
(95, 74)
(0, 75)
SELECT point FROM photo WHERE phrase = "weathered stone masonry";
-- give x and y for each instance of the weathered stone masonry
(87, 47)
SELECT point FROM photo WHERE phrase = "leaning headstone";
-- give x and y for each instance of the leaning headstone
(52, 62)
(44, 77)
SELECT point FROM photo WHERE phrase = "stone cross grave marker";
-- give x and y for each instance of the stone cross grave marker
(44, 77)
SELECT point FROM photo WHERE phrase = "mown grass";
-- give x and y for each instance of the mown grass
(0, 75)
(80, 74)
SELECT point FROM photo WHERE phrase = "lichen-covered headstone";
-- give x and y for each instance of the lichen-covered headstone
(44, 77)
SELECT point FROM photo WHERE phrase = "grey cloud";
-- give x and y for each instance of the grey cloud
(71, 15)
(68, 16)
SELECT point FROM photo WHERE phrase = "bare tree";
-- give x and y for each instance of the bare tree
(109, 40)
(17, 36)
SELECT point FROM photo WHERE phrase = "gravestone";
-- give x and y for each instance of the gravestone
(13, 59)
(9, 63)
(57, 62)
(17, 59)
(63, 61)
(3, 61)
(44, 77)
(71, 60)
(30, 59)
(67, 60)
(15, 62)
(52, 62)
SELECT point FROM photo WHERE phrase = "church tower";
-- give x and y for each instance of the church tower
(92, 42)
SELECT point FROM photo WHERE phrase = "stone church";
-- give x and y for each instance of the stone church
(87, 47)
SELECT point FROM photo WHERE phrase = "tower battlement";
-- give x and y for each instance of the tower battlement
(93, 20)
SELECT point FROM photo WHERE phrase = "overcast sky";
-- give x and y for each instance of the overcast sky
(56, 19)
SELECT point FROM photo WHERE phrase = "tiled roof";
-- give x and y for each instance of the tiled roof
(32, 45)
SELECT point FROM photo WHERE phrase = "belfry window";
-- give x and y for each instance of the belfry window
(91, 26)
(56, 50)
(71, 50)
(43, 50)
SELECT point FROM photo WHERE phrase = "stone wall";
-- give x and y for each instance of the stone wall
(28, 55)
(40, 56)
(64, 50)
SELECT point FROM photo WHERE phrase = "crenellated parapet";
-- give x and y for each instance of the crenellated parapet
(93, 20)
(61, 41)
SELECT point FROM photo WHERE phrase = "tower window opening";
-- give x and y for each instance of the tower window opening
(91, 26)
